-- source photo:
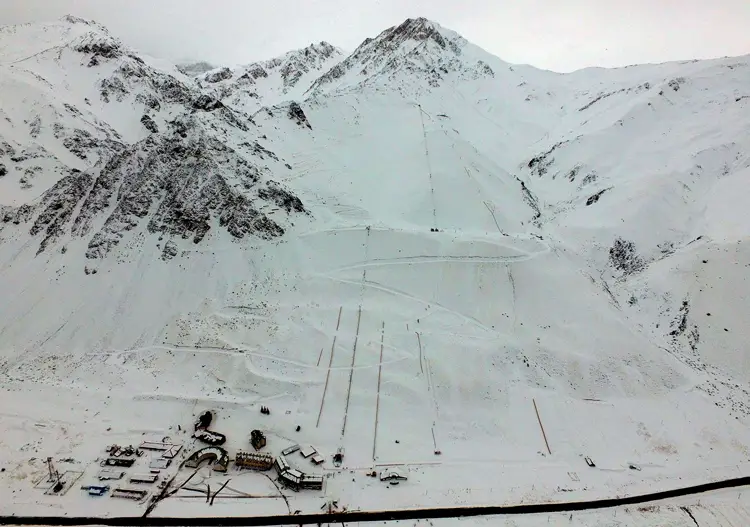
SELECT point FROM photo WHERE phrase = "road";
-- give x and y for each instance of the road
(370, 516)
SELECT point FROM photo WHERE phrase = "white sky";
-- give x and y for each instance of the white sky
(561, 35)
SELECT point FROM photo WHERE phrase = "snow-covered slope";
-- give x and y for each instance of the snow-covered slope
(404, 251)
(248, 88)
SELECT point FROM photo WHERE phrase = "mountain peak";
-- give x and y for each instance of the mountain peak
(310, 56)
(72, 19)
(415, 45)
(417, 28)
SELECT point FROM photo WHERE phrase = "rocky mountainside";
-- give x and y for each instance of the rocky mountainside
(272, 81)
(418, 47)
(106, 141)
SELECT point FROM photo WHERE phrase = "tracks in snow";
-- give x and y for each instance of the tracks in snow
(429, 167)
(430, 390)
(330, 364)
(430, 259)
(356, 334)
(377, 400)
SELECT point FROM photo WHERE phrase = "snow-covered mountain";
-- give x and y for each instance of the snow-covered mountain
(248, 88)
(417, 234)
(103, 138)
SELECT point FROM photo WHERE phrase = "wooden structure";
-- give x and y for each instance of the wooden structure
(296, 479)
(257, 439)
(254, 460)
(217, 456)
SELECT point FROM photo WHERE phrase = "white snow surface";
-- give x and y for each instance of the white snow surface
(455, 271)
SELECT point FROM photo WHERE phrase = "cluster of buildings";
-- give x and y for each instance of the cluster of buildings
(294, 478)
(218, 456)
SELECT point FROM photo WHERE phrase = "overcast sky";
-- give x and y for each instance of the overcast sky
(561, 35)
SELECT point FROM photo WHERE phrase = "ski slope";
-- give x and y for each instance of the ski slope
(450, 289)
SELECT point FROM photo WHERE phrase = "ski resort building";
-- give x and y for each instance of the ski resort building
(282, 465)
(294, 478)
(254, 460)
(217, 456)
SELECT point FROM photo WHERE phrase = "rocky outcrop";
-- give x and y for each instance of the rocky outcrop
(182, 182)
(169, 251)
(149, 124)
(99, 45)
(218, 75)
(297, 115)
(283, 198)
(179, 180)
(624, 258)
(133, 75)
(82, 143)
(594, 198)
(257, 71)
(206, 103)
(149, 101)
(295, 64)
(57, 207)
(166, 185)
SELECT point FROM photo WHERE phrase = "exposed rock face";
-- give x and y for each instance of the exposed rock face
(181, 182)
(99, 45)
(169, 251)
(82, 143)
(171, 185)
(148, 100)
(207, 103)
(184, 181)
(218, 75)
(149, 124)
(296, 114)
(624, 258)
(295, 64)
(57, 207)
(6, 149)
(283, 198)
(133, 75)
(273, 81)
(257, 71)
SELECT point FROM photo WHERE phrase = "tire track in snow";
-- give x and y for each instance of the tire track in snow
(419, 341)
(330, 363)
(433, 397)
(396, 292)
(429, 259)
(486, 204)
(234, 352)
(351, 372)
(356, 334)
(377, 401)
(512, 282)
(465, 238)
